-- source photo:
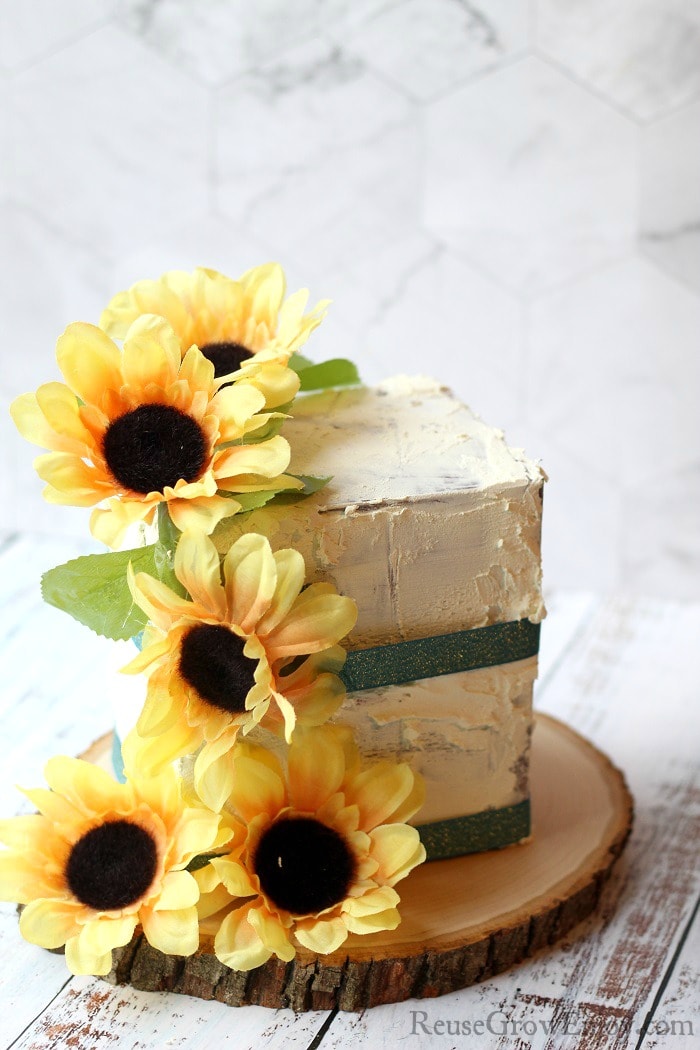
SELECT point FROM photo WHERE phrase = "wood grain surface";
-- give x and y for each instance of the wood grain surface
(463, 919)
(621, 671)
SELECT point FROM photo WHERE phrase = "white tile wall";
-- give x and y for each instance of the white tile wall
(504, 193)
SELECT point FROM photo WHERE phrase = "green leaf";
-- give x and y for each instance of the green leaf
(201, 861)
(336, 372)
(271, 429)
(94, 591)
(311, 484)
(251, 500)
(297, 362)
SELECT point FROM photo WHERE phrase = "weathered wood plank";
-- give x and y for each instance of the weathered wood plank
(90, 1015)
(674, 1019)
(52, 700)
(628, 683)
(51, 667)
(29, 978)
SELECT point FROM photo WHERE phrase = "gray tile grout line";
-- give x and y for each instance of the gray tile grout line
(56, 49)
(582, 85)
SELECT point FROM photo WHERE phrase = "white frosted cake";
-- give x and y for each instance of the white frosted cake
(432, 524)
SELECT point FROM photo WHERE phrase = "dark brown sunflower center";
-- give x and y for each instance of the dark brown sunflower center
(303, 865)
(112, 865)
(154, 446)
(226, 357)
(212, 662)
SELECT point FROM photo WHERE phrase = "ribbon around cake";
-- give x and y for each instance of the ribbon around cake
(410, 661)
(382, 665)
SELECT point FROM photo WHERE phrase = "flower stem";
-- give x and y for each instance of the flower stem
(168, 536)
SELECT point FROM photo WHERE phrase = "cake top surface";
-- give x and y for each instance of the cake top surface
(407, 437)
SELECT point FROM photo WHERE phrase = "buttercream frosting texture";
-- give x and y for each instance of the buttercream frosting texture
(432, 524)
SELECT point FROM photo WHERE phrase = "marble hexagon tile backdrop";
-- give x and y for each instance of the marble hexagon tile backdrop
(501, 193)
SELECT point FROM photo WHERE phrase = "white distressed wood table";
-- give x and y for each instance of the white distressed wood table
(621, 671)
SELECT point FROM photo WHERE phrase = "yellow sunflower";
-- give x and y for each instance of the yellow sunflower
(101, 857)
(242, 324)
(314, 855)
(146, 427)
(258, 647)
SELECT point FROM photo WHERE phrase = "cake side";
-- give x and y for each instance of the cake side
(430, 521)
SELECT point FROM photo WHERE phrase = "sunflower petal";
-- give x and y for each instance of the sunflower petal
(23, 833)
(161, 604)
(160, 792)
(151, 353)
(110, 525)
(83, 963)
(90, 362)
(195, 834)
(58, 810)
(198, 569)
(291, 573)
(178, 890)
(145, 297)
(267, 459)
(371, 903)
(321, 935)
(316, 768)
(157, 752)
(50, 923)
(379, 791)
(71, 481)
(317, 620)
(381, 920)
(214, 771)
(264, 287)
(150, 654)
(238, 944)
(161, 710)
(251, 577)
(22, 880)
(319, 701)
(173, 932)
(412, 803)
(234, 877)
(278, 384)
(51, 419)
(201, 514)
(197, 370)
(100, 936)
(234, 405)
(398, 849)
(213, 901)
(257, 788)
(90, 789)
(272, 933)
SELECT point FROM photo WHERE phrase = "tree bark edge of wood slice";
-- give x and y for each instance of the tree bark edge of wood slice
(523, 898)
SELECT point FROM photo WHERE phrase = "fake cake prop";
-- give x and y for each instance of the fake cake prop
(335, 594)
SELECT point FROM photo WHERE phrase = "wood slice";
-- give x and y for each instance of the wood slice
(463, 920)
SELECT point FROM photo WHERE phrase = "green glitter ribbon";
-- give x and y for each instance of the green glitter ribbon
(500, 643)
(402, 662)
(490, 829)
(385, 665)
